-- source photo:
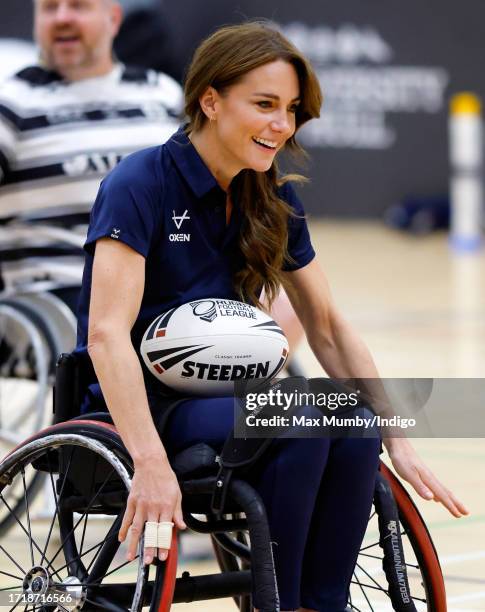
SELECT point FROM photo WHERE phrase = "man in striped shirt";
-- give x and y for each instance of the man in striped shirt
(67, 121)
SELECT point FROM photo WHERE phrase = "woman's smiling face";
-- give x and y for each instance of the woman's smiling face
(254, 118)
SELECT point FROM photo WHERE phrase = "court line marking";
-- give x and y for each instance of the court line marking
(464, 579)
(465, 521)
(460, 557)
(467, 597)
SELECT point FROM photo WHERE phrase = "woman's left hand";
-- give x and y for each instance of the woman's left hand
(409, 466)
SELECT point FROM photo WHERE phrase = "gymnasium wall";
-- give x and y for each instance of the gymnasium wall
(387, 69)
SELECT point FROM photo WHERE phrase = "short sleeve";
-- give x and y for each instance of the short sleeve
(300, 248)
(127, 207)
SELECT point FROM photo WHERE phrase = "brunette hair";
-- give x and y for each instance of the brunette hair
(221, 61)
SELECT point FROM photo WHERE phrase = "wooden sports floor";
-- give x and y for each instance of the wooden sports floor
(421, 311)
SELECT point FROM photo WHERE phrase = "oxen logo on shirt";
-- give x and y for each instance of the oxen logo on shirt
(178, 220)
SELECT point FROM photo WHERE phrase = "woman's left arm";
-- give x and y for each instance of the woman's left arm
(343, 354)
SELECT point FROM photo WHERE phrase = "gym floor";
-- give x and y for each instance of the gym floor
(420, 309)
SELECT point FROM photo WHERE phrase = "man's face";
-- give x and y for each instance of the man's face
(75, 36)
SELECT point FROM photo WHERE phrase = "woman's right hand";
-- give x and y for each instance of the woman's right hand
(155, 496)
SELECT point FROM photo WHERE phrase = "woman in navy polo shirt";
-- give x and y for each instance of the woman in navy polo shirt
(205, 215)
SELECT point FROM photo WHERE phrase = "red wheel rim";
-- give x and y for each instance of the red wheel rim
(170, 575)
(430, 558)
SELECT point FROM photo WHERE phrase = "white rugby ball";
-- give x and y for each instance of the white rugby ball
(205, 346)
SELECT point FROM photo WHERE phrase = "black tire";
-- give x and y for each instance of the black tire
(88, 478)
(34, 487)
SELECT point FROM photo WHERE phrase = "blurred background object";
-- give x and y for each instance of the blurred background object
(466, 184)
(16, 19)
(15, 54)
(146, 39)
(419, 215)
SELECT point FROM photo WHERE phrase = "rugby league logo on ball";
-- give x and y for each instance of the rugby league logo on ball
(205, 309)
(204, 346)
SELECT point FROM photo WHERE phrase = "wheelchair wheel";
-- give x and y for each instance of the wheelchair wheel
(24, 380)
(42, 318)
(25, 388)
(59, 317)
(75, 560)
(398, 565)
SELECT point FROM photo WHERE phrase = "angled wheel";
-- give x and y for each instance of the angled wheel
(42, 318)
(24, 369)
(74, 559)
(34, 329)
(398, 565)
(397, 568)
(25, 392)
(57, 316)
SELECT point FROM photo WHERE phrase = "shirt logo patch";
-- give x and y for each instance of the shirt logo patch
(178, 220)
(115, 233)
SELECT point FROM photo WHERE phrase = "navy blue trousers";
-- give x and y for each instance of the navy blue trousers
(317, 493)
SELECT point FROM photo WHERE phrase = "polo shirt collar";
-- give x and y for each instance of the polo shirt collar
(190, 163)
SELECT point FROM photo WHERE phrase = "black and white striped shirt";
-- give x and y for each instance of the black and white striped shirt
(58, 139)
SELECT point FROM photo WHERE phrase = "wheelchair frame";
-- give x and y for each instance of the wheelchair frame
(245, 570)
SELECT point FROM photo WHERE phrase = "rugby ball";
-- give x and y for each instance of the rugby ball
(205, 346)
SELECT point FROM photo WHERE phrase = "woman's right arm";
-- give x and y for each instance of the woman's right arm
(116, 292)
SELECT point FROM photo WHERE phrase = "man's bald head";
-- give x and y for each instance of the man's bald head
(76, 36)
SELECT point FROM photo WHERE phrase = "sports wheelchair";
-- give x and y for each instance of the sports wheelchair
(76, 562)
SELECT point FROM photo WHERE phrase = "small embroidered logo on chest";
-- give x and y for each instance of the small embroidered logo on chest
(178, 220)
(115, 233)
